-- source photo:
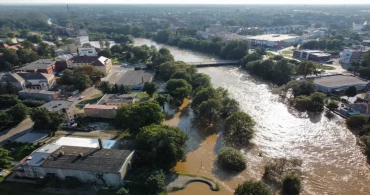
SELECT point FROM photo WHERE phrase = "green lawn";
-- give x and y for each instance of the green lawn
(21, 149)
(269, 54)
(93, 99)
(142, 95)
(320, 66)
(287, 52)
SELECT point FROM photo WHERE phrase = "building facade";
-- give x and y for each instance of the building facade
(82, 40)
(87, 51)
(46, 66)
(352, 55)
(100, 111)
(100, 62)
(100, 165)
(39, 94)
(313, 55)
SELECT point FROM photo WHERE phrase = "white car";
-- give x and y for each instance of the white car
(81, 97)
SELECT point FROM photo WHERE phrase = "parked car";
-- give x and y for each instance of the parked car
(330, 61)
(81, 97)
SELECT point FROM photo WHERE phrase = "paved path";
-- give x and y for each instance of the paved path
(17, 131)
(175, 181)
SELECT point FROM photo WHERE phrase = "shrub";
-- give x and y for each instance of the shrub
(252, 188)
(33, 103)
(277, 169)
(356, 121)
(291, 185)
(232, 159)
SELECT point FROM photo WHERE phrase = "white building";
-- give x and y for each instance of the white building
(338, 82)
(100, 62)
(352, 55)
(358, 27)
(87, 163)
(274, 40)
(82, 40)
(87, 51)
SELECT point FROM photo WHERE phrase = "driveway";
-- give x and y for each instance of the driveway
(17, 131)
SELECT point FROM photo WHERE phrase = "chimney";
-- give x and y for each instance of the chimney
(100, 143)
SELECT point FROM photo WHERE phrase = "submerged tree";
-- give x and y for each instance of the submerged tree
(239, 128)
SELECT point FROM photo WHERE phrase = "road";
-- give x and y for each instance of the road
(15, 132)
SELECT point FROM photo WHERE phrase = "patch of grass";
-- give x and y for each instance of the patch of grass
(174, 189)
(269, 54)
(115, 60)
(320, 66)
(142, 95)
(93, 99)
(163, 193)
(124, 135)
(21, 150)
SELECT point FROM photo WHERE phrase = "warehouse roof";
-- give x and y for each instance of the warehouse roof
(273, 37)
(339, 80)
(84, 142)
(87, 159)
(135, 77)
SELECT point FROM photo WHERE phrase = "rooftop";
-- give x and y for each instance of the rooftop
(87, 159)
(95, 106)
(11, 77)
(37, 91)
(94, 60)
(135, 77)
(38, 64)
(273, 37)
(339, 80)
(36, 75)
(84, 142)
(57, 105)
(115, 98)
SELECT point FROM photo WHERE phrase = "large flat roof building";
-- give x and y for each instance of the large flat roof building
(88, 164)
(66, 107)
(314, 55)
(135, 79)
(339, 82)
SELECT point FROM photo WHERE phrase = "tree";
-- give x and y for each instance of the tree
(167, 69)
(116, 49)
(153, 180)
(10, 55)
(250, 57)
(200, 80)
(356, 121)
(209, 110)
(27, 55)
(81, 81)
(351, 91)
(291, 185)
(333, 105)
(5, 160)
(67, 77)
(28, 45)
(302, 102)
(252, 188)
(229, 106)
(161, 146)
(182, 75)
(317, 101)
(7, 100)
(179, 89)
(18, 112)
(46, 120)
(203, 95)
(135, 116)
(91, 71)
(232, 159)
(123, 191)
(107, 44)
(305, 87)
(105, 86)
(150, 88)
(162, 99)
(101, 44)
(106, 53)
(305, 68)
(239, 128)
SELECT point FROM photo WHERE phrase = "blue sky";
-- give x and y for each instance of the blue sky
(187, 1)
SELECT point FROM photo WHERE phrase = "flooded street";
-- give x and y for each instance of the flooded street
(332, 161)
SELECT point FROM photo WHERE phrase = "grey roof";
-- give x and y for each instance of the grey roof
(9, 77)
(57, 105)
(135, 77)
(87, 159)
(38, 64)
(32, 76)
(339, 80)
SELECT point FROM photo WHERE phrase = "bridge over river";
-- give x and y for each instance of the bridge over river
(214, 63)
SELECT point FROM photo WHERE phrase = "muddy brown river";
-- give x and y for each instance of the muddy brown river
(332, 161)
